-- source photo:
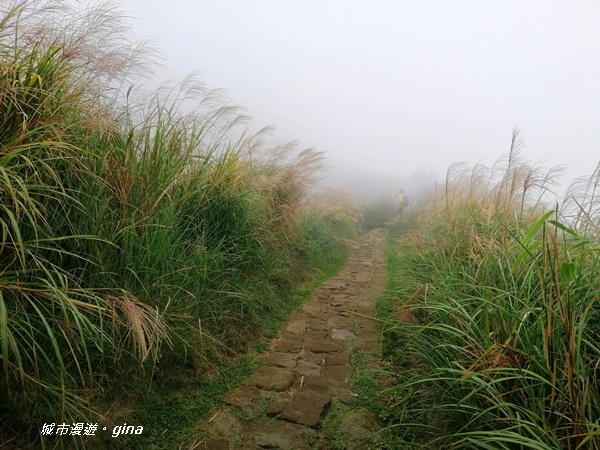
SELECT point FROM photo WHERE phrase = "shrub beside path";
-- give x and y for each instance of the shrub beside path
(308, 368)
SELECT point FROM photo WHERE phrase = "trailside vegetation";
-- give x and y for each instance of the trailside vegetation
(142, 234)
(492, 316)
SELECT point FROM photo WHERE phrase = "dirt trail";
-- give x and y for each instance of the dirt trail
(309, 366)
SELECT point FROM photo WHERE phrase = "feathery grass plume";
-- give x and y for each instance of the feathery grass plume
(178, 209)
(581, 206)
(54, 330)
(497, 347)
(146, 328)
(510, 187)
(286, 178)
(140, 233)
(92, 45)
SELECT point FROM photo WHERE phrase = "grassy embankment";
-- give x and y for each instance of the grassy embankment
(140, 245)
(493, 321)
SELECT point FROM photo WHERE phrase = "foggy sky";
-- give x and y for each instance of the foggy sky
(390, 87)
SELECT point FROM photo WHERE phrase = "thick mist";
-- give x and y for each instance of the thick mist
(389, 89)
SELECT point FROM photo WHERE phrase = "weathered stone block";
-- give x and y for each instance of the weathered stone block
(271, 378)
(323, 346)
(342, 334)
(289, 342)
(282, 435)
(287, 360)
(306, 407)
(307, 368)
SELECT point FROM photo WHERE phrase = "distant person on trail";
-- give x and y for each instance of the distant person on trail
(402, 201)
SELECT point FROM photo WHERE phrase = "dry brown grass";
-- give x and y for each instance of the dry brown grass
(510, 188)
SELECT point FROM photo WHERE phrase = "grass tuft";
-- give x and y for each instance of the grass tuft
(492, 315)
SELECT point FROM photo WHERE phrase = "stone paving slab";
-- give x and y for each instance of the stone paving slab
(248, 398)
(315, 324)
(314, 309)
(306, 407)
(317, 335)
(279, 404)
(317, 358)
(271, 378)
(339, 322)
(337, 373)
(278, 434)
(334, 285)
(289, 342)
(287, 360)
(336, 359)
(297, 326)
(337, 389)
(307, 368)
(323, 346)
(342, 335)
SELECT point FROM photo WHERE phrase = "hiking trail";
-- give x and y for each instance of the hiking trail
(307, 369)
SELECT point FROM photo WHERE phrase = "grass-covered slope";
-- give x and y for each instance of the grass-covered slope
(140, 234)
(493, 315)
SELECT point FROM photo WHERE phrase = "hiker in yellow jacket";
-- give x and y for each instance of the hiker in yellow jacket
(401, 201)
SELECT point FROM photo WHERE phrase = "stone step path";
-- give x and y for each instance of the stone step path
(309, 366)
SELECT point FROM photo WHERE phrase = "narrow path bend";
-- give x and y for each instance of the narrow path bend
(309, 367)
